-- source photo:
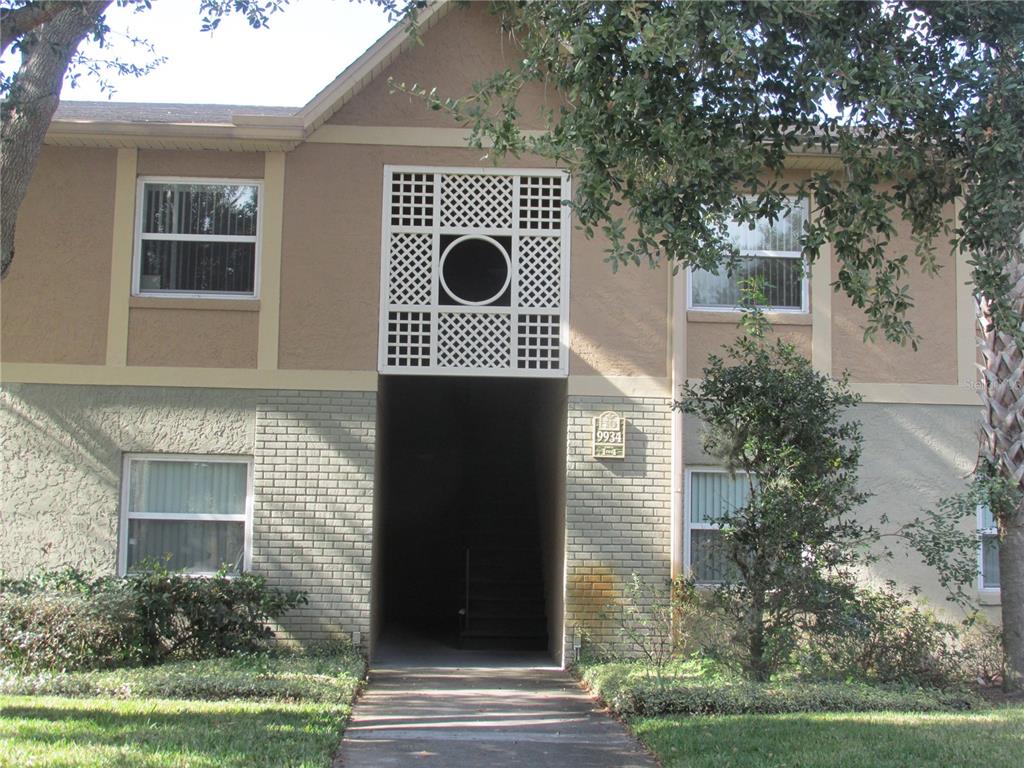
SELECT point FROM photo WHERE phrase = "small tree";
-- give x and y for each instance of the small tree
(794, 545)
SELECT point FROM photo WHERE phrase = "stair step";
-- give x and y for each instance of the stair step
(478, 603)
(530, 613)
(504, 643)
(505, 629)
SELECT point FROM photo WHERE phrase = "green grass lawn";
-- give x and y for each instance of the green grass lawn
(992, 738)
(53, 731)
(222, 713)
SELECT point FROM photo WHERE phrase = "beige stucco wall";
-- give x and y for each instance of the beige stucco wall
(708, 336)
(933, 316)
(62, 452)
(330, 271)
(55, 297)
(201, 338)
(913, 456)
(209, 164)
(463, 47)
(619, 321)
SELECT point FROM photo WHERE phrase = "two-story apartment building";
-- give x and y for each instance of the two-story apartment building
(335, 346)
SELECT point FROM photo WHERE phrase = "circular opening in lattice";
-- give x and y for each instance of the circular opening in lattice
(475, 270)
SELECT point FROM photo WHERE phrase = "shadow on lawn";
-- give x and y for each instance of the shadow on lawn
(250, 735)
(988, 739)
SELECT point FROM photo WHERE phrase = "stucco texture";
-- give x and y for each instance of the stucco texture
(62, 454)
(463, 47)
(55, 298)
(933, 316)
(211, 164)
(913, 456)
(708, 338)
(169, 336)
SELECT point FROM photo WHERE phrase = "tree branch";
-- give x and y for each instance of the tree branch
(30, 104)
(17, 21)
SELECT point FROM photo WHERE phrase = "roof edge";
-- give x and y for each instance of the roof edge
(361, 71)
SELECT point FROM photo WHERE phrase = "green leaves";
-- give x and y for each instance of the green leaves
(796, 541)
(673, 113)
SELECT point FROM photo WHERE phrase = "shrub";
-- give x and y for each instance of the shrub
(634, 690)
(884, 637)
(69, 630)
(188, 617)
(675, 621)
(984, 658)
(65, 620)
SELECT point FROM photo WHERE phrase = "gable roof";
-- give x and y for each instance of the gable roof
(227, 126)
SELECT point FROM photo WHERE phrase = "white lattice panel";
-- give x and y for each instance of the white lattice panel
(538, 345)
(410, 269)
(474, 340)
(540, 203)
(424, 327)
(476, 201)
(412, 200)
(540, 272)
(408, 339)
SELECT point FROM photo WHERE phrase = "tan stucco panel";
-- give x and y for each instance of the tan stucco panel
(192, 338)
(56, 296)
(330, 271)
(619, 320)
(933, 317)
(465, 46)
(708, 338)
(211, 164)
(62, 453)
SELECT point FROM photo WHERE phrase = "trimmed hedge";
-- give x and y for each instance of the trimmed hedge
(280, 677)
(69, 630)
(631, 690)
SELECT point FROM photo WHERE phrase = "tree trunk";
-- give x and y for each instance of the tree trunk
(1011, 581)
(1002, 445)
(46, 52)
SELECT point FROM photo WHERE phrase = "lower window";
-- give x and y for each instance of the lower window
(710, 493)
(189, 513)
(988, 533)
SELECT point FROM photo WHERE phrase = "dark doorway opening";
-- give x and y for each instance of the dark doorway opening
(469, 515)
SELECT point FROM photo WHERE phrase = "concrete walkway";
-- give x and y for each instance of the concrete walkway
(483, 713)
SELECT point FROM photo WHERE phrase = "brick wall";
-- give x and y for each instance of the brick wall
(313, 516)
(618, 516)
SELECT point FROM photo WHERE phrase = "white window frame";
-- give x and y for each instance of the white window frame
(994, 530)
(805, 283)
(689, 526)
(142, 181)
(126, 515)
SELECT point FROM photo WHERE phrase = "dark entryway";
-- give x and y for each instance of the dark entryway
(469, 526)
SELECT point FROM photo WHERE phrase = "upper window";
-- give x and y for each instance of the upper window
(770, 251)
(197, 238)
(710, 493)
(988, 558)
(190, 513)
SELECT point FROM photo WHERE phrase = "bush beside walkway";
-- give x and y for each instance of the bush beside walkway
(698, 688)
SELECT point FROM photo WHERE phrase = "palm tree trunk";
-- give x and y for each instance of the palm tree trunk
(1002, 446)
